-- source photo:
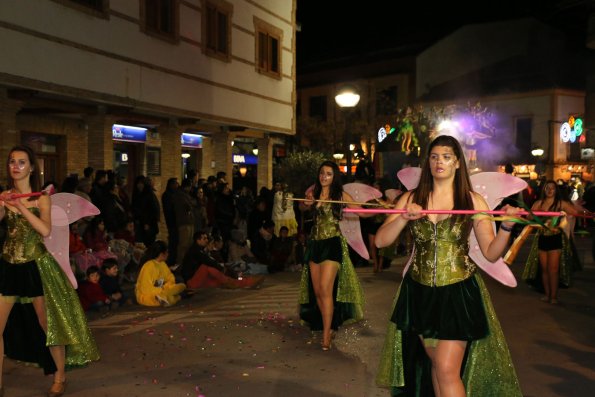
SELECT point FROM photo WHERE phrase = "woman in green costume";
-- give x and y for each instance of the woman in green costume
(444, 338)
(330, 291)
(41, 319)
(551, 260)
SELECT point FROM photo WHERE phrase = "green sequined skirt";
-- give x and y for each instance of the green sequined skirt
(569, 263)
(348, 295)
(487, 369)
(24, 339)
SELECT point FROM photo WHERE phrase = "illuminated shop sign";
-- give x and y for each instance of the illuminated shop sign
(244, 159)
(572, 129)
(192, 140)
(383, 132)
(128, 133)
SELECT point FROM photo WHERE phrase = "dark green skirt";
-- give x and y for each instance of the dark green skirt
(450, 312)
(348, 295)
(329, 249)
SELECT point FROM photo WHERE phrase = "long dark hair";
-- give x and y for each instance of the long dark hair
(335, 189)
(158, 247)
(462, 184)
(557, 196)
(34, 177)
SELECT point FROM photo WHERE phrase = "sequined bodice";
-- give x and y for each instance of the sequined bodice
(441, 251)
(23, 243)
(326, 225)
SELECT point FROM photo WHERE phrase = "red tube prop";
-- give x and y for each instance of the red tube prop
(49, 190)
(452, 212)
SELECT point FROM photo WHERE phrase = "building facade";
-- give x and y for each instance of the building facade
(529, 77)
(147, 87)
(522, 71)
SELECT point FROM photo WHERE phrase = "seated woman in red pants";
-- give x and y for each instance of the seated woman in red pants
(200, 270)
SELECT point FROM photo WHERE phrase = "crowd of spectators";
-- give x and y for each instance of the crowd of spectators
(239, 227)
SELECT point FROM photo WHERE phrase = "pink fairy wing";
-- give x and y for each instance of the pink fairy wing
(361, 192)
(349, 224)
(392, 194)
(494, 186)
(409, 177)
(66, 208)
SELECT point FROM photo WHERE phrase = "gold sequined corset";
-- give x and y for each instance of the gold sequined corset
(441, 251)
(23, 243)
(326, 225)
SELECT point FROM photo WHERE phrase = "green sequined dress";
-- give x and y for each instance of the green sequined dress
(25, 256)
(327, 242)
(569, 263)
(442, 296)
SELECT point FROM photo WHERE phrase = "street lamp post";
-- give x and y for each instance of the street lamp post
(537, 153)
(347, 98)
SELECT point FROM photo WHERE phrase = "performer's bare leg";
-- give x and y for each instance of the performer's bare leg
(323, 280)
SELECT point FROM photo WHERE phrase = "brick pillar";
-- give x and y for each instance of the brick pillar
(171, 152)
(100, 145)
(222, 155)
(9, 134)
(265, 163)
(207, 157)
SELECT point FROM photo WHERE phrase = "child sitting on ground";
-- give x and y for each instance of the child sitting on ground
(110, 283)
(90, 293)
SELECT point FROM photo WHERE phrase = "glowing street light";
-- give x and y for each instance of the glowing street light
(347, 98)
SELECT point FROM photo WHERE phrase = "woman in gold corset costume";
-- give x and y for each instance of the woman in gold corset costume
(330, 291)
(444, 338)
(41, 319)
(551, 260)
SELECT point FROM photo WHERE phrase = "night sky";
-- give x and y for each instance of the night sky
(333, 29)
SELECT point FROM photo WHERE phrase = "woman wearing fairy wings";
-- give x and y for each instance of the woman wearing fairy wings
(444, 338)
(551, 260)
(330, 293)
(41, 319)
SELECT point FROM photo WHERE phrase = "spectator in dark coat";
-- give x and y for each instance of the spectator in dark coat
(261, 245)
(114, 213)
(145, 207)
(98, 192)
(184, 217)
(256, 218)
(170, 219)
(225, 211)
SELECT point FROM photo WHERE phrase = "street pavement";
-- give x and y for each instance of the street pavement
(221, 343)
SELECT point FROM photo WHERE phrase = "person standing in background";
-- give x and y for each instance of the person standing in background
(170, 218)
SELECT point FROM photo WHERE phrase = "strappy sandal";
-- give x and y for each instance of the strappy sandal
(58, 388)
